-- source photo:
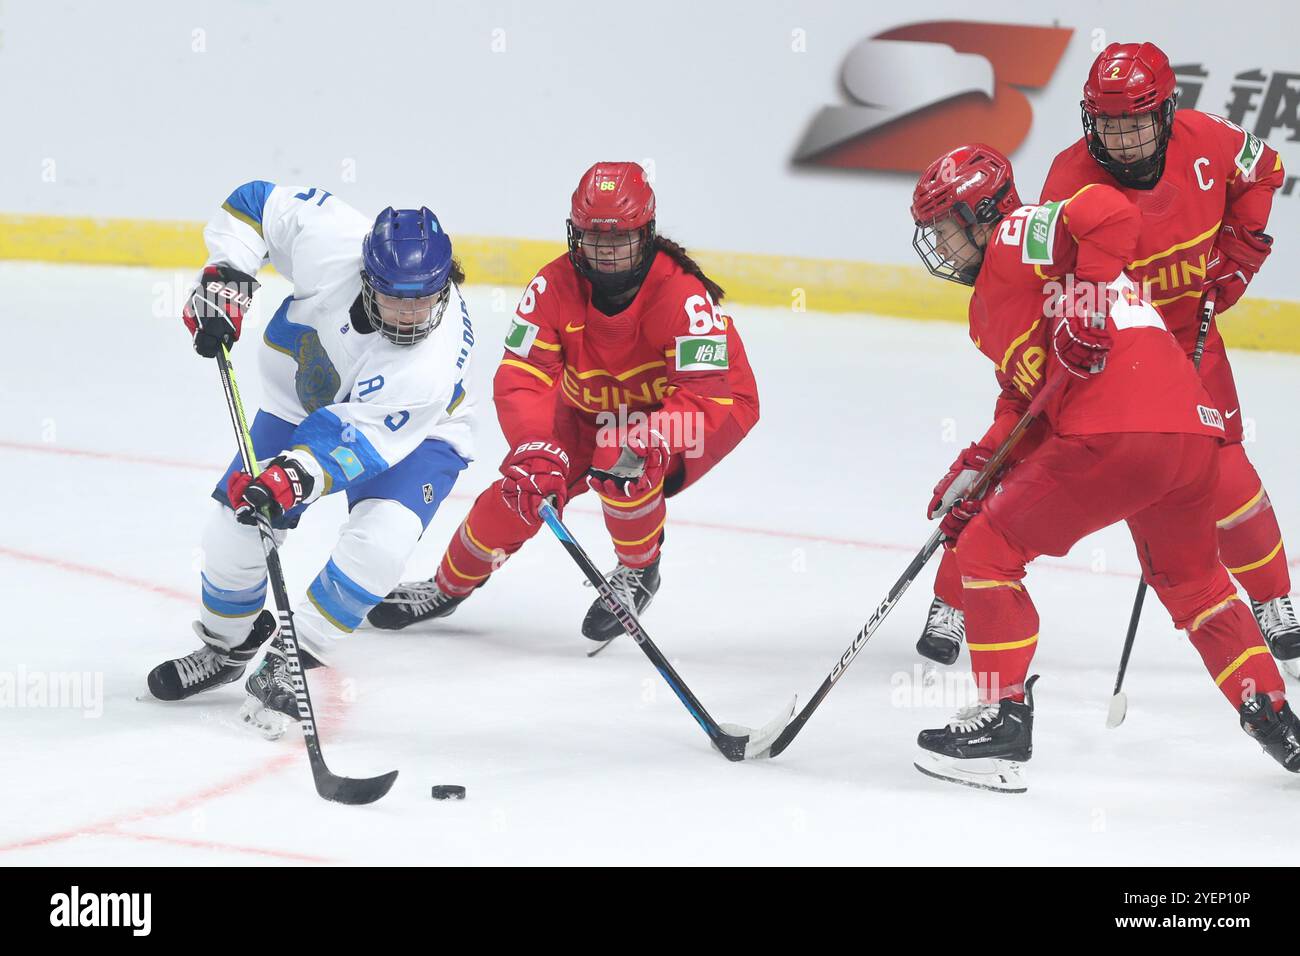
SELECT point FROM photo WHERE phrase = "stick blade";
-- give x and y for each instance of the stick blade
(1117, 711)
(354, 791)
(602, 646)
(756, 744)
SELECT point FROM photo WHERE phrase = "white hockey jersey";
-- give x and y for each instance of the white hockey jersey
(361, 403)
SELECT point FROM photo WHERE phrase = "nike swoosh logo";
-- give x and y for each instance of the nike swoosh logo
(1231, 413)
(570, 328)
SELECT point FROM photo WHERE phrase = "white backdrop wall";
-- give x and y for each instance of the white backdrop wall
(489, 111)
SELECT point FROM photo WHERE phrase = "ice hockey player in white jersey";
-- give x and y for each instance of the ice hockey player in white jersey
(364, 374)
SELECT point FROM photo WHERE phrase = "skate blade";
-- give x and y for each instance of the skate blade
(271, 724)
(985, 773)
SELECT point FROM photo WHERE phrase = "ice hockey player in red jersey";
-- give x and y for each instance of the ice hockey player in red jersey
(618, 348)
(1204, 188)
(1129, 435)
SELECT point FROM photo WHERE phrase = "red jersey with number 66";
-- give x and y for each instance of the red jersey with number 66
(1148, 384)
(672, 349)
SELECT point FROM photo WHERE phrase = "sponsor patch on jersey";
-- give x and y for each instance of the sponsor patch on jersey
(1211, 417)
(1040, 234)
(428, 493)
(699, 353)
(1251, 148)
(348, 461)
(520, 337)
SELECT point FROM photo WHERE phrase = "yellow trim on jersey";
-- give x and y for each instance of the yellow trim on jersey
(1244, 656)
(1260, 563)
(461, 574)
(1255, 499)
(1065, 215)
(1175, 248)
(1201, 618)
(980, 585)
(570, 390)
(328, 616)
(477, 543)
(620, 503)
(1182, 295)
(1004, 646)
(633, 544)
(816, 285)
(721, 401)
(1081, 191)
(539, 344)
(530, 370)
(620, 376)
(1016, 344)
(243, 217)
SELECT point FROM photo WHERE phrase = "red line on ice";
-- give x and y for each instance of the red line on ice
(241, 781)
(50, 449)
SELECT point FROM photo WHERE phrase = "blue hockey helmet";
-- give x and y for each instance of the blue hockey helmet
(406, 257)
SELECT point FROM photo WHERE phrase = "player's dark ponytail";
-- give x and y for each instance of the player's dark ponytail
(457, 273)
(689, 265)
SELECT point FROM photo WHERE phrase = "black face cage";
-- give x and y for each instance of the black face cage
(630, 272)
(1141, 173)
(422, 321)
(960, 264)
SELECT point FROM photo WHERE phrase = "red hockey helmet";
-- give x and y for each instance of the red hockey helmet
(1128, 108)
(967, 187)
(611, 227)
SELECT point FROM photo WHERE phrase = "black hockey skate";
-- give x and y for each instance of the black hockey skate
(212, 665)
(1277, 731)
(984, 746)
(271, 704)
(945, 629)
(1277, 622)
(634, 587)
(411, 603)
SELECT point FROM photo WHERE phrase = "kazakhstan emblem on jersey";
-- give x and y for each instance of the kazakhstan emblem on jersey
(317, 380)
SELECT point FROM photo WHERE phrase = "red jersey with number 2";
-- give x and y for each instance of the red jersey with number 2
(1148, 384)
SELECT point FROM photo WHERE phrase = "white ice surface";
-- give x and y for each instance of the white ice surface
(771, 565)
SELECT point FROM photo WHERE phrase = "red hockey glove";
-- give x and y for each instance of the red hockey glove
(535, 471)
(1237, 256)
(955, 484)
(651, 453)
(284, 484)
(1082, 337)
(955, 521)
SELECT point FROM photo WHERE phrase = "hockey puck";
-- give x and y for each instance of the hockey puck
(448, 791)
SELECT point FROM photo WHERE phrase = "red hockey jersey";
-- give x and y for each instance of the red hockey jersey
(1215, 173)
(1148, 384)
(672, 349)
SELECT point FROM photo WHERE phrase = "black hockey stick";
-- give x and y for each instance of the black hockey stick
(350, 790)
(629, 465)
(977, 489)
(732, 740)
(1118, 709)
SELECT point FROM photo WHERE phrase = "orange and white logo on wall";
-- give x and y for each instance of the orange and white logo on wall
(920, 88)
